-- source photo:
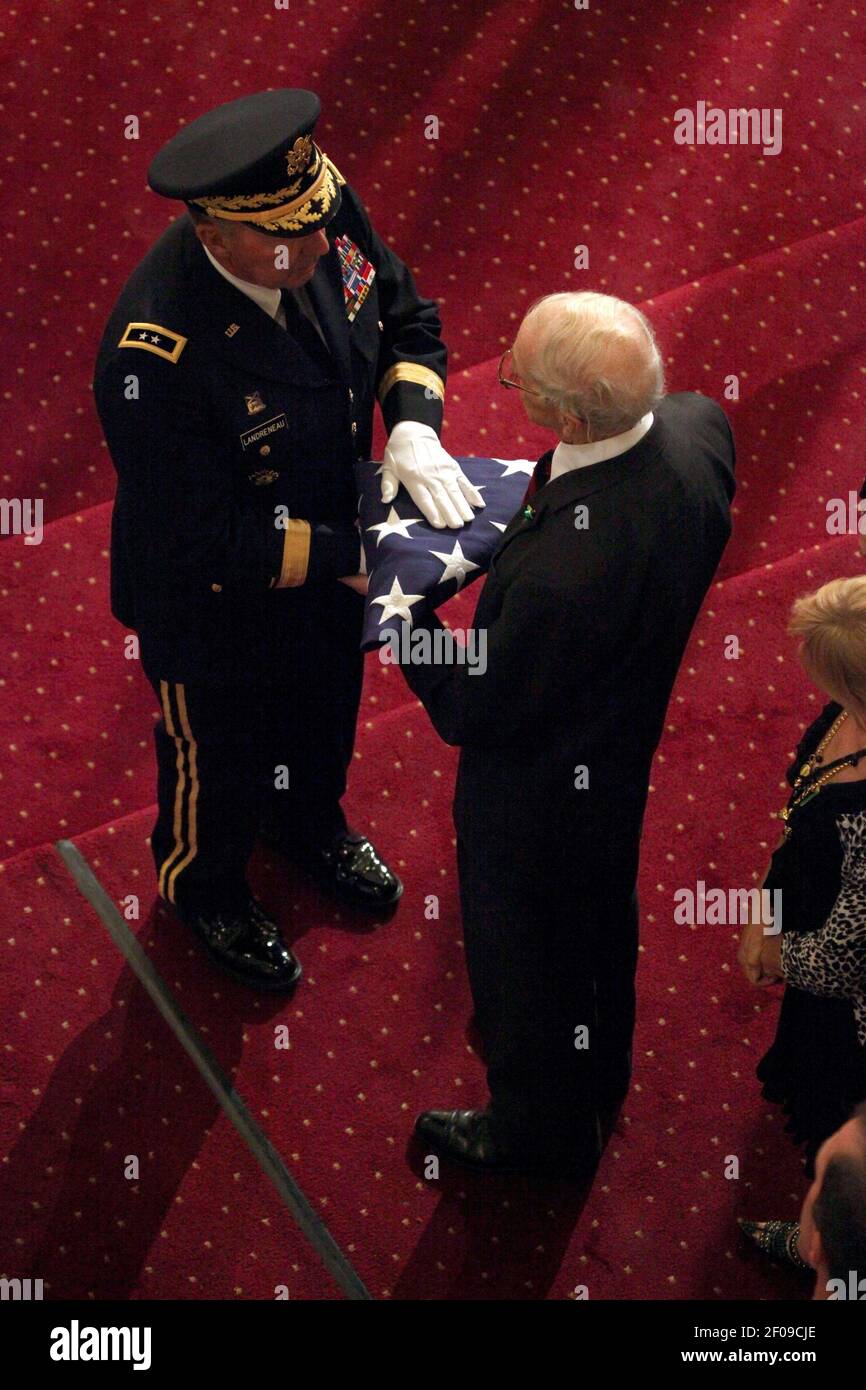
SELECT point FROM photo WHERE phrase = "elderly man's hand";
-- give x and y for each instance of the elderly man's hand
(434, 481)
(358, 582)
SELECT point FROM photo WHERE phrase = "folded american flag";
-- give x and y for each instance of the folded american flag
(410, 562)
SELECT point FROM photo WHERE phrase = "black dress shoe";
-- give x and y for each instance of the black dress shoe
(464, 1136)
(349, 866)
(243, 941)
(352, 869)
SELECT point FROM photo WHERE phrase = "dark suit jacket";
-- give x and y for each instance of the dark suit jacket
(586, 626)
(232, 417)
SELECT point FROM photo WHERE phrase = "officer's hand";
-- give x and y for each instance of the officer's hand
(434, 481)
(358, 582)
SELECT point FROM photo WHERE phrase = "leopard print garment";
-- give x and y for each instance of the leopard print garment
(832, 960)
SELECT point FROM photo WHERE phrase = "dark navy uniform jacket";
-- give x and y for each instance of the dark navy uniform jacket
(221, 425)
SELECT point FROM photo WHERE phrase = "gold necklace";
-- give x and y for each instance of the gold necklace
(800, 794)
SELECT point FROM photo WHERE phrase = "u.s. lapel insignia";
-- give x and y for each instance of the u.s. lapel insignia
(254, 403)
(232, 330)
(262, 476)
(358, 274)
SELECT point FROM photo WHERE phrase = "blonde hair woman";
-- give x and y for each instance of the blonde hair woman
(816, 1067)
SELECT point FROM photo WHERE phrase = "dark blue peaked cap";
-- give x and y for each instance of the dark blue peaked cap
(254, 161)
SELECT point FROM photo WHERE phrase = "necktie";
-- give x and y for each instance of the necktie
(540, 475)
(299, 326)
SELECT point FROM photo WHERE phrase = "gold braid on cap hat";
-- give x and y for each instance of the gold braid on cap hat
(286, 209)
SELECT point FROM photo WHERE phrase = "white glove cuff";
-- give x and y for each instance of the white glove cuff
(411, 429)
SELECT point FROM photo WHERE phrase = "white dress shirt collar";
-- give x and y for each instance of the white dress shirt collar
(568, 456)
(267, 299)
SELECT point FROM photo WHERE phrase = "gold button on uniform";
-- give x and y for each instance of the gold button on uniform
(354, 427)
(217, 588)
(265, 450)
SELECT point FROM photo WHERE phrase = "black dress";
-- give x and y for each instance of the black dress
(816, 1067)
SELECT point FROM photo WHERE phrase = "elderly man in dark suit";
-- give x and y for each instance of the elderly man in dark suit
(586, 612)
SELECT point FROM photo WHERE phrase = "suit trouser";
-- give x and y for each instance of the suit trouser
(271, 752)
(551, 968)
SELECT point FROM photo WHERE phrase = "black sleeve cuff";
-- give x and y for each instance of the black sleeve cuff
(333, 554)
(406, 400)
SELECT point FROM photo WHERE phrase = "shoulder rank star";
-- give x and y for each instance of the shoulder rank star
(151, 337)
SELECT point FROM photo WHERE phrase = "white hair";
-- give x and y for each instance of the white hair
(596, 358)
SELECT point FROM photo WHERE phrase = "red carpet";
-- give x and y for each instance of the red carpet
(556, 130)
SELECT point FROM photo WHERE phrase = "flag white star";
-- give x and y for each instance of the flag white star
(500, 525)
(394, 526)
(456, 565)
(516, 466)
(397, 604)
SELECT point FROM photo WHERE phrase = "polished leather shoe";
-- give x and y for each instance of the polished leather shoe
(349, 867)
(243, 941)
(352, 868)
(464, 1136)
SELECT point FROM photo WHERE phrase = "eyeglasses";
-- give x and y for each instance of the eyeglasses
(512, 385)
(516, 386)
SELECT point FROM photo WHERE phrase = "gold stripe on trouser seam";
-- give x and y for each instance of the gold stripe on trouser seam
(193, 795)
(183, 845)
(180, 786)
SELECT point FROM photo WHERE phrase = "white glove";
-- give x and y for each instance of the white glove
(433, 479)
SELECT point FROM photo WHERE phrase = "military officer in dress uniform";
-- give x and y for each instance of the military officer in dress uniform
(236, 383)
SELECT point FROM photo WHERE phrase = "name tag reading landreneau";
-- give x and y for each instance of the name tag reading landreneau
(262, 431)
